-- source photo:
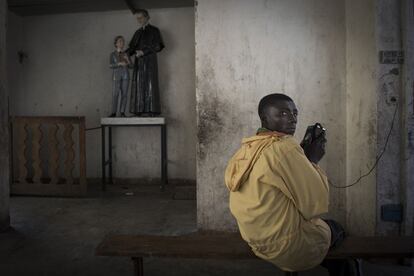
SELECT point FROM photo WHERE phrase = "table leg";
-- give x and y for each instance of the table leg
(11, 151)
(110, 153)
(138, 266)
(164, 163)
(358, 267)
(103, 158)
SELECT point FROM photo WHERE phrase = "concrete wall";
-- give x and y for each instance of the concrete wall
(388, 29)
(4, 133)
(407, 122)
(361, 115)
(247, 49)
(374, 26)
(67, 73)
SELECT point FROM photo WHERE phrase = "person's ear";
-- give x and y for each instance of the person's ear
(263, 119)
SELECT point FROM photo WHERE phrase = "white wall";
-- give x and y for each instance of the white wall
(67, 73)
(247, 49)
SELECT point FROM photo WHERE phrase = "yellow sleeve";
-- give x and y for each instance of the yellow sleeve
(306, 183)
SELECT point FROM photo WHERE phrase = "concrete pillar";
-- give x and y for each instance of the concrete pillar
(389, 102)
(4, 131)
(407, 119)
(395, 180)
(361, 115)
(247, 49)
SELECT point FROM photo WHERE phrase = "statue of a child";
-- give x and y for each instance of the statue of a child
(120, 64)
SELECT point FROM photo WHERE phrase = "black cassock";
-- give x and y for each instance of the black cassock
(145, 94)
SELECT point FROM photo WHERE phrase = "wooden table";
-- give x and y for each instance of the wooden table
(132, 122)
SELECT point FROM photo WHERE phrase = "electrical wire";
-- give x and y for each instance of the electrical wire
(378, 157)
(92, 128)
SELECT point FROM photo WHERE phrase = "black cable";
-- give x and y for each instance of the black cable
(378, 158)
(92, 128)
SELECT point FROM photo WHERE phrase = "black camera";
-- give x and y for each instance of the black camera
(313, 133)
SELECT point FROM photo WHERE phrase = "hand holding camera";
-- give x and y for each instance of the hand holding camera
(314, 142)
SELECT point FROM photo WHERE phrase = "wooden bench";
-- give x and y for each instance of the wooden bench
(218, 245)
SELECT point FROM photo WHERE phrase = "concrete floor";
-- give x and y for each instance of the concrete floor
(58, 236)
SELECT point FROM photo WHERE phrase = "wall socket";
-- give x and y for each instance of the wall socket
(392, 212)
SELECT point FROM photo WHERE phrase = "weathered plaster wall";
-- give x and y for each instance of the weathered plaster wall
(389, 101)
(373, 92)
(67, 73)
(407, 122)
(4, 133)
(361, 115)
(247, 49)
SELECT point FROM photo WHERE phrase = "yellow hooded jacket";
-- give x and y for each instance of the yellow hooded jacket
(276, 196)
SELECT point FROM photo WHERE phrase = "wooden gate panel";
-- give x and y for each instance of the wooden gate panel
(31, 178)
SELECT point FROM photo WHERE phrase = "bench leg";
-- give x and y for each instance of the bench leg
(358, 267)
(138, 266)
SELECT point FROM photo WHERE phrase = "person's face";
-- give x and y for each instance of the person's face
(120, 43)
(281, 117)
(141, 18)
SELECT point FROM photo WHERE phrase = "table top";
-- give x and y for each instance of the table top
(113, 121)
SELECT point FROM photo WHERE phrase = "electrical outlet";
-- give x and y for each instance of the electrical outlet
(392, 212)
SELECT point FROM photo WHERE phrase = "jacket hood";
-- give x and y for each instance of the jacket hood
(242, 162)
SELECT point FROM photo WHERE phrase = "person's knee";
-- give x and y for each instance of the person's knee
(337, 232)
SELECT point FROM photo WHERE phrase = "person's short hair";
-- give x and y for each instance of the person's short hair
(118, 37)
(142, 11)
(270, 100)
